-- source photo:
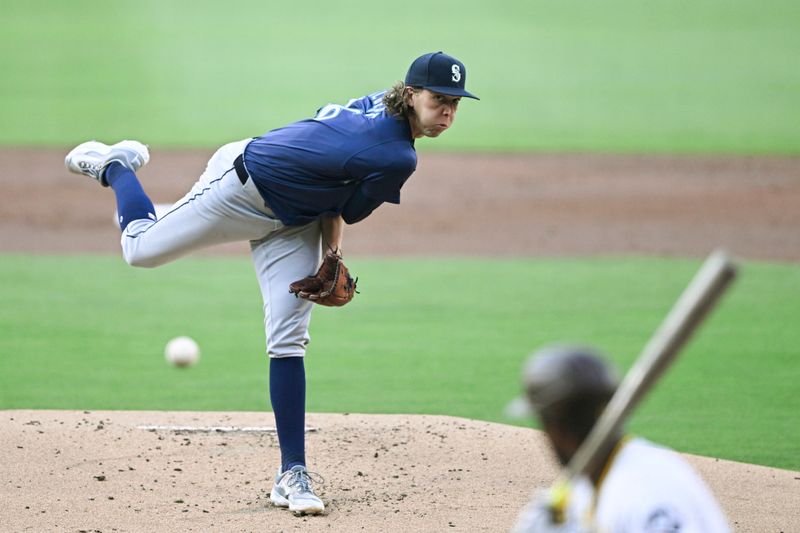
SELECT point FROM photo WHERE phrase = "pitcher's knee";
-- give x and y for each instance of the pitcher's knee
(142, 261)
(135, 256)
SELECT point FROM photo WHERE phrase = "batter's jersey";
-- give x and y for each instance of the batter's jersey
(647, 489)
(313, 167)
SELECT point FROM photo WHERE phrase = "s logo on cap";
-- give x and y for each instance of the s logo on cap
(439, 73)
(456, 70)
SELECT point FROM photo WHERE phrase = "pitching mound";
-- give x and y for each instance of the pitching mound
(111, 471)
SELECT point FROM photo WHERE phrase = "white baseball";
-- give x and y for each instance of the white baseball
(182, 351)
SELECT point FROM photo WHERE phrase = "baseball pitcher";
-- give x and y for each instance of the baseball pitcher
(289, 193)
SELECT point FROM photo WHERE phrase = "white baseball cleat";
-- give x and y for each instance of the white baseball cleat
(292, 489)
(91, 158)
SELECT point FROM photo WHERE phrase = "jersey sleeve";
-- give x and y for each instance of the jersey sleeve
(382, 170)
(359, 207)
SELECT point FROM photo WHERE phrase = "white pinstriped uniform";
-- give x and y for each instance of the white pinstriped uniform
(647, 489)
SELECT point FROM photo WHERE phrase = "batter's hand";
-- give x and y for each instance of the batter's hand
(547, 513)
(331, 286)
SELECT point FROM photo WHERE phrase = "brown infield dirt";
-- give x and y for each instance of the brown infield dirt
(100, 471)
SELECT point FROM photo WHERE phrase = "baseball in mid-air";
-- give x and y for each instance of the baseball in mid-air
(182, 351)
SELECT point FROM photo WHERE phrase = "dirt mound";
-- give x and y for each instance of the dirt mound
(71, 471)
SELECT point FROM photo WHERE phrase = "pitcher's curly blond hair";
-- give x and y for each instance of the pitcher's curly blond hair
(395, 100)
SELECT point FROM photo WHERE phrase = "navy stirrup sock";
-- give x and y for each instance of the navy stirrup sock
(132, 202)
(287, 391)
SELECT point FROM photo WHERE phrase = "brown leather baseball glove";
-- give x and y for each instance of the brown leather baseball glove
(331, 286)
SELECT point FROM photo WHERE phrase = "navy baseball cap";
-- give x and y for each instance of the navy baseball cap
(440, 73)
(560, 372)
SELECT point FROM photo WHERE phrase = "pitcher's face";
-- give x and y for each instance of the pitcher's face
(433, 112)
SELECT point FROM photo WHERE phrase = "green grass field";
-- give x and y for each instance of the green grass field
(618, 75)
(673, 76)
(89, 332)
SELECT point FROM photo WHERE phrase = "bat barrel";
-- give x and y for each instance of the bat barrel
(687, 314)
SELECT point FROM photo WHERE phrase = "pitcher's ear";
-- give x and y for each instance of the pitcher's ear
(408, 95)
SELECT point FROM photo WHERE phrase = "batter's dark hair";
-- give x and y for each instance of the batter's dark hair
(395, 100)
(576, 415)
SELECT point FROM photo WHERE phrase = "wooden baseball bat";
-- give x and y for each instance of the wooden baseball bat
(687, 314)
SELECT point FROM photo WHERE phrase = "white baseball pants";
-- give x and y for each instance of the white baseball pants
(220, 209)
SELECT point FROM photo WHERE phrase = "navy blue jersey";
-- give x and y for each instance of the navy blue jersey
(316, 166)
